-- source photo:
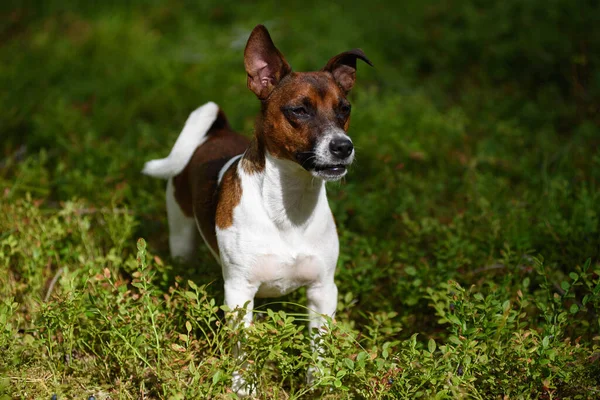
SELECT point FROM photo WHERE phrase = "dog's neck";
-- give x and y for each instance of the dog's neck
(289, 193)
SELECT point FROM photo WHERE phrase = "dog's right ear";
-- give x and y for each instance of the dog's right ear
(343, 68)
(264, 64)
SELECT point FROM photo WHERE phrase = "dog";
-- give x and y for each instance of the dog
(260, 205)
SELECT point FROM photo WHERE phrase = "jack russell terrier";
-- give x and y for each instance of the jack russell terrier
(260, 205)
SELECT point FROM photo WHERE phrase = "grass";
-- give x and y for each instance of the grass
(469, 227)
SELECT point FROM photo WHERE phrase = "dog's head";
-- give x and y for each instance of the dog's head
(305, 115)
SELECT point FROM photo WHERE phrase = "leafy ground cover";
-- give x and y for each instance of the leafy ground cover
(469, 226)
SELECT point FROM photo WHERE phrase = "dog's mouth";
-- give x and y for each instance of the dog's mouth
(334, 169)
(329, 172)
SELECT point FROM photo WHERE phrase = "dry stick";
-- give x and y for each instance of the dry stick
(53, 282)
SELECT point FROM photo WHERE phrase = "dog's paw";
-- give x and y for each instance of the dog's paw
(240, 386)
(311, 374)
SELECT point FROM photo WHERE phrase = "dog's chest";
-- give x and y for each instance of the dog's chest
(278, 274)
(276, 262)
(273, 252)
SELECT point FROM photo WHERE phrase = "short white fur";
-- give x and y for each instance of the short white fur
(193, 135)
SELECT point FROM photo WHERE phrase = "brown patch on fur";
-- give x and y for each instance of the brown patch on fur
(183, 194)
(196, 188)
(230, 193)
(253, 161)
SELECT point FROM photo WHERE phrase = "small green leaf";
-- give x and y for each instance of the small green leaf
(190, 295)
(565, 285)
(587, 264)
(467, 360)
(454, 340)
(545, 341)
(349, 363)
(574, 308)
(454, 319)
(217, 377)
(177, 347)
(139, 340)
(431, 346)
(362, 356)
(348, 297)
(573, 276)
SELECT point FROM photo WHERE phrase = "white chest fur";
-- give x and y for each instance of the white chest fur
(283, 235)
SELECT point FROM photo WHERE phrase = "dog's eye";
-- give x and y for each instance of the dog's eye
(299, 111)
(295, 114)
(343, 112)
(345, 109)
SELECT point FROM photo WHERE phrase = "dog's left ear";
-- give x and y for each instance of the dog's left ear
(343, 68)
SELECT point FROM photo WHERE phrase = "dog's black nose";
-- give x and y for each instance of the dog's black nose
(341, 147)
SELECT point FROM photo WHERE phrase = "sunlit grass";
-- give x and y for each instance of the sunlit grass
(469, 224)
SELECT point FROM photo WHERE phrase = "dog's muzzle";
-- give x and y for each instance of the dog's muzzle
(330, 160)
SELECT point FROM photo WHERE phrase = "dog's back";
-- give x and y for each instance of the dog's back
(206, 144)
(196, 187)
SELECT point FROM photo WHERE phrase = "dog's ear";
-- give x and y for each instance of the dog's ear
(264, 64)
(343, 68)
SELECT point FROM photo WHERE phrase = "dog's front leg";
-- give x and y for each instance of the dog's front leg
(239, 295)
(322, 301)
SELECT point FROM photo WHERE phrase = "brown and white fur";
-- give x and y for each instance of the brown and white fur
(260, 205)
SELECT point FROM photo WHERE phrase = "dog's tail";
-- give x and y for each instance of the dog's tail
(194, 133)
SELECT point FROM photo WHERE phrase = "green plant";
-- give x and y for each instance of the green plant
(469, 223)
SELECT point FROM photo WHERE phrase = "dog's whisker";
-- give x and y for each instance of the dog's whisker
(308, 159)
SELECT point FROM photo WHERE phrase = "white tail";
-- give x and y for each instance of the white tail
(193, 135)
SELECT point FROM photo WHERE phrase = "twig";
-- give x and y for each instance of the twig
(53, 282)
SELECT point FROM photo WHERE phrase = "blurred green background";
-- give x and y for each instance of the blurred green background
(477, 132)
